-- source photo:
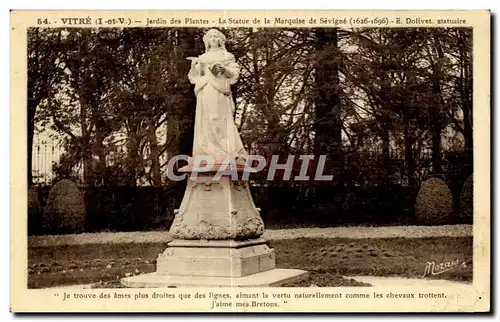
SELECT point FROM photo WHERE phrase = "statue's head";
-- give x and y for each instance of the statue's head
(214, 39)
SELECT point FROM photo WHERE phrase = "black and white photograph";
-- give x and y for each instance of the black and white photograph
(167, 157)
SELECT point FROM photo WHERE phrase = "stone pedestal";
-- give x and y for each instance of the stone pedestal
(216, 258)
(217, 242)
(217, 209)
(272, 278)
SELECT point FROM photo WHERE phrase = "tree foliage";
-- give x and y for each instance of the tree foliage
(388, 99)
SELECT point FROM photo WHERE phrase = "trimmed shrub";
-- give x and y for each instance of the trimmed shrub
(65, 209)
(466, 210)
(434, 201)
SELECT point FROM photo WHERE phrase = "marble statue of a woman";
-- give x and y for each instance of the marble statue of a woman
(217, 229)
(213, 73)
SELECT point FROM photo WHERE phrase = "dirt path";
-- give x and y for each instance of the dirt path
(334, 232)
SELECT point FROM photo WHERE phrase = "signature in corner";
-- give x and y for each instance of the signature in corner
(431, 268)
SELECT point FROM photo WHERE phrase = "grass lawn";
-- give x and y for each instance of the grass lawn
(327, 260)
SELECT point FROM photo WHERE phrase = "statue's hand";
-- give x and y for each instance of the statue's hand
(195, 64)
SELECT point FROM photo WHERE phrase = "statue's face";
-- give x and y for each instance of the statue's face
(213, 40)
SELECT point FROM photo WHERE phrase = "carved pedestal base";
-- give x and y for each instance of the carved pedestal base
(217, 209)
(217, 242)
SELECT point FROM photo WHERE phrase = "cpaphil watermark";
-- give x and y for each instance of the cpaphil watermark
(431, 268)
(305, 167)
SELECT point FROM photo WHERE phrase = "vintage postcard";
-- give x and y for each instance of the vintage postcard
(250, 161)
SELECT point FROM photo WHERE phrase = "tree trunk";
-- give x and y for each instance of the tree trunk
(264, 99)
(435, 110)
(100, 135)
(86, 151)
(133, 158)
(410, 162)
(190, 46)
(468, 135)
(466, 96)
(276, 143)
(155, 155)
(101, 169)
(436, 132)
(436, 147)
(385, 154)
(79, 68)
(172, 140)
(327, 107)
(328, 126)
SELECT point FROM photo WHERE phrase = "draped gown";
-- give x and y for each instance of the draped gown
(215, 133)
